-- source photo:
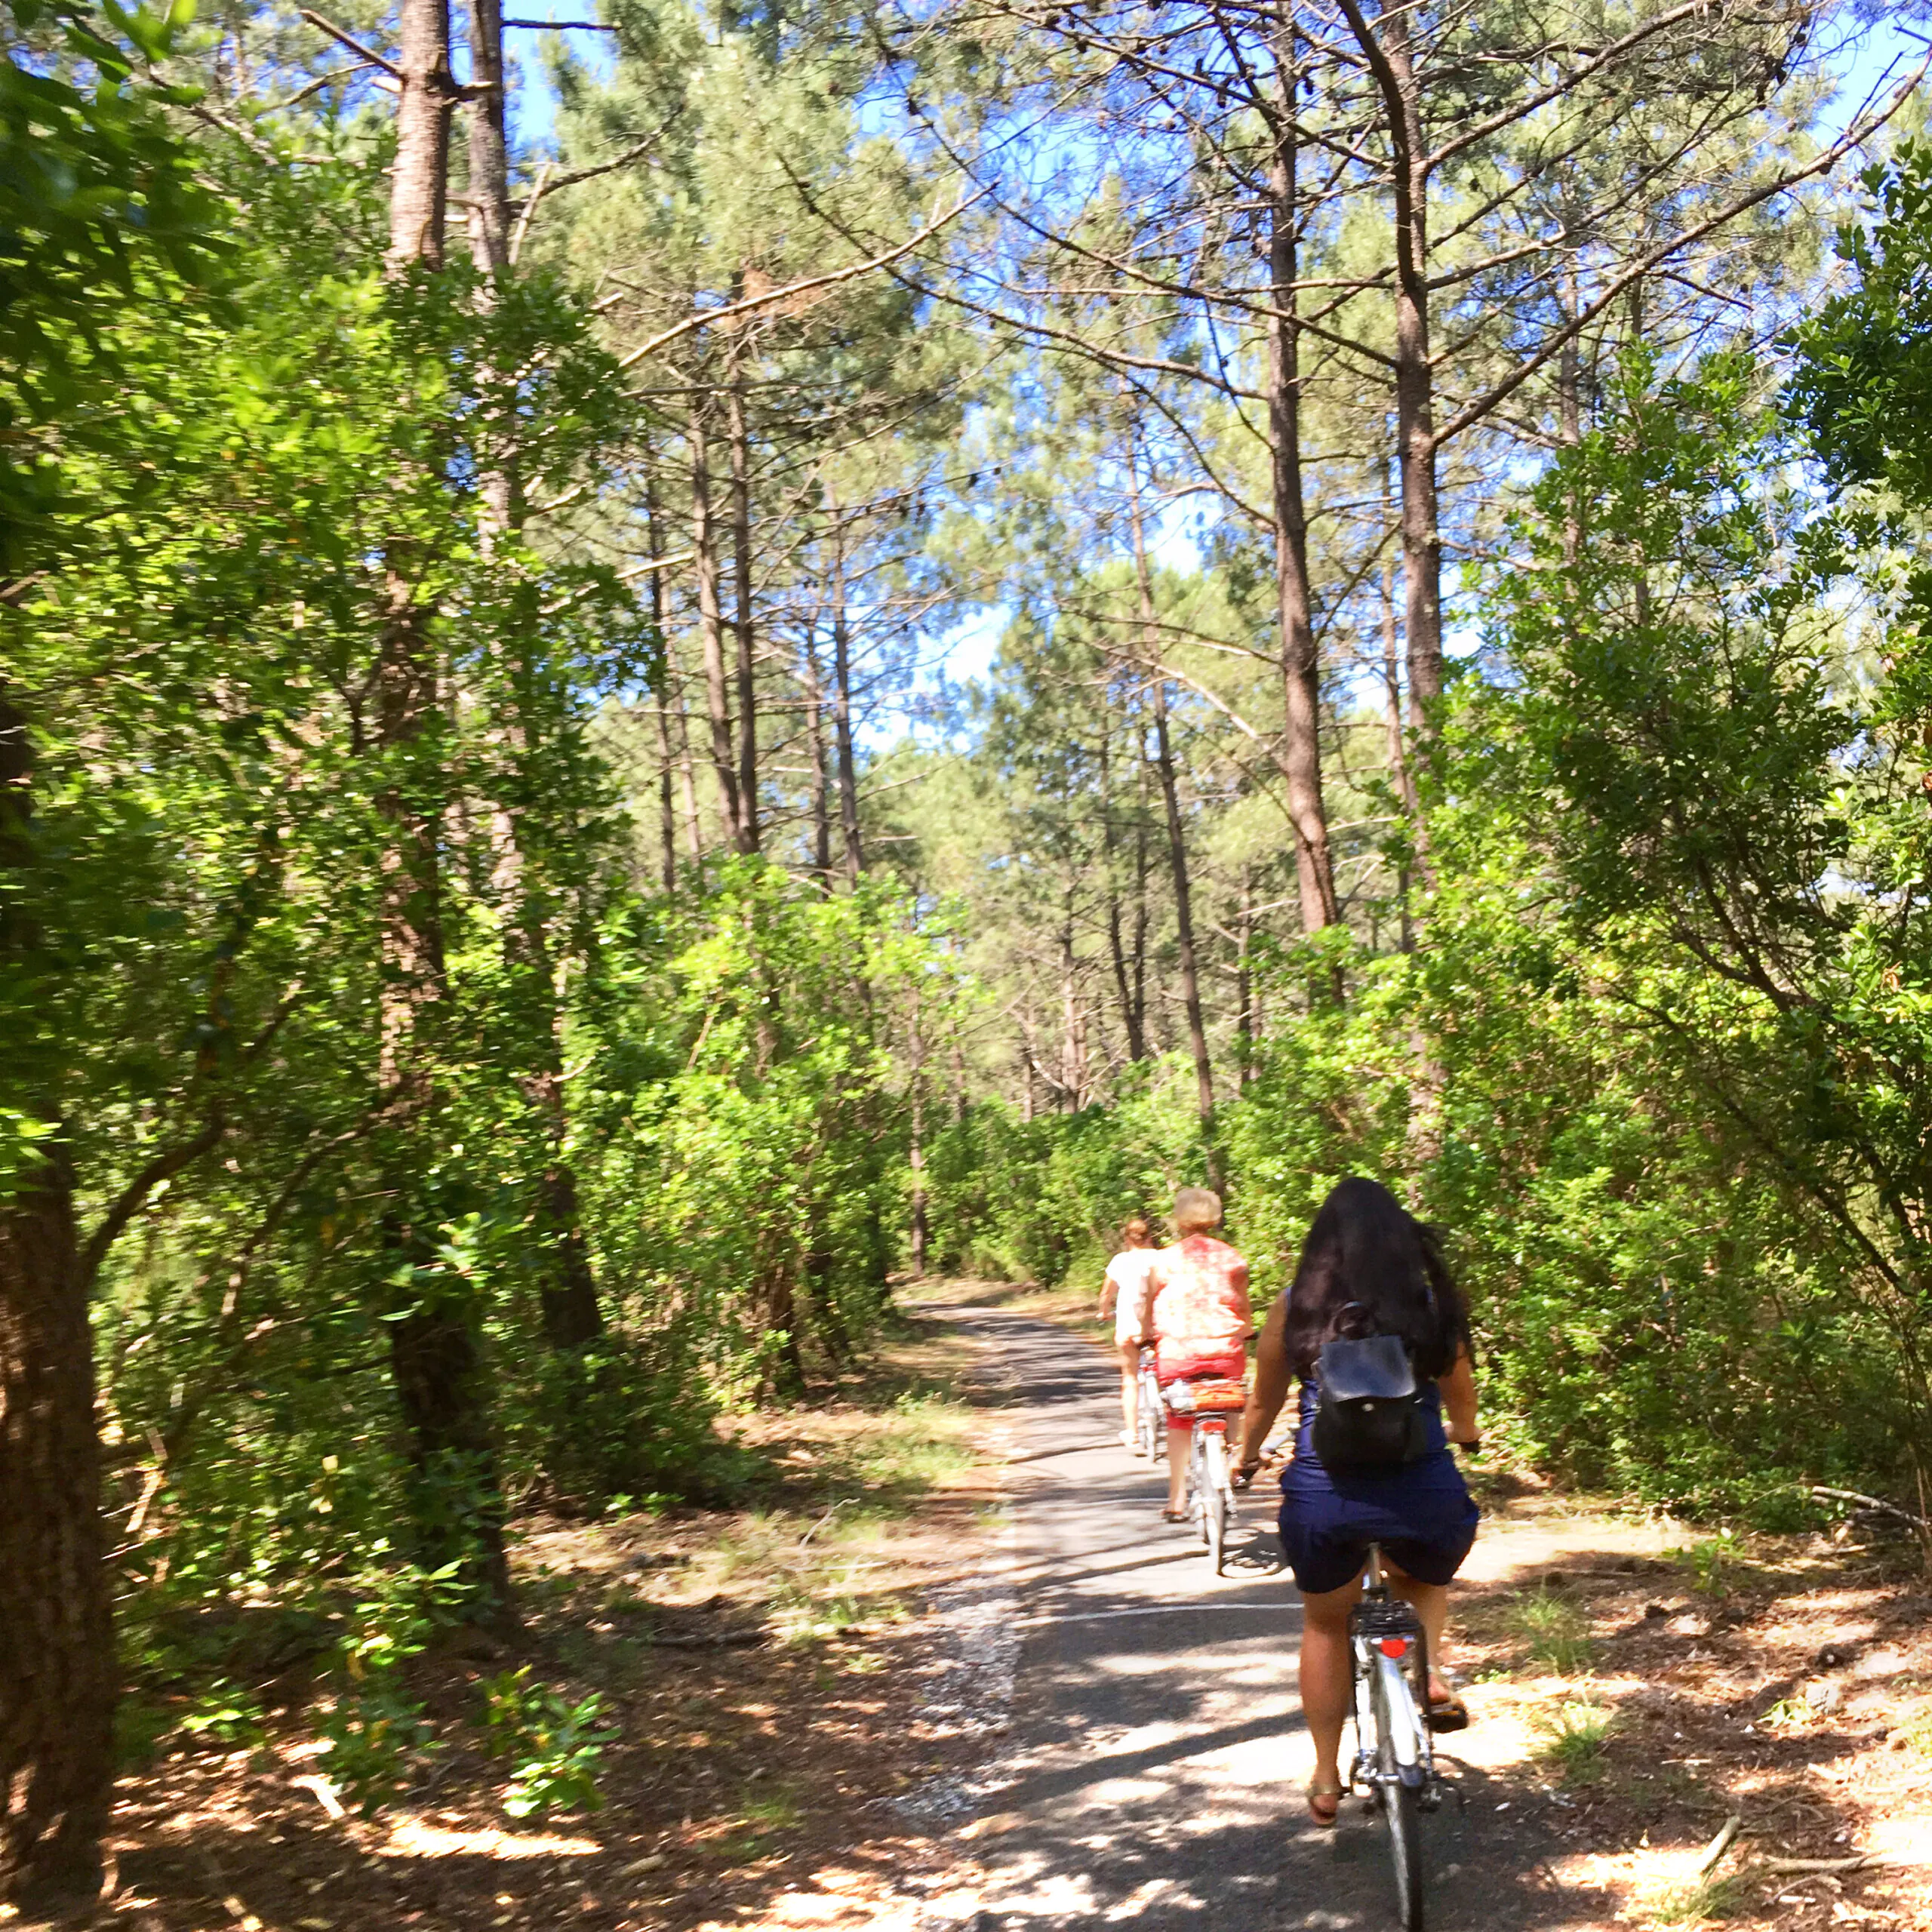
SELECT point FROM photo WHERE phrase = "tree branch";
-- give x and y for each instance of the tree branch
(707, 318)
(354, 45)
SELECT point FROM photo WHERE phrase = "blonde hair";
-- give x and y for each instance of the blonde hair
(1196, 1208)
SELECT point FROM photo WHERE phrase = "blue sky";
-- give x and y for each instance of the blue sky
(968, 651)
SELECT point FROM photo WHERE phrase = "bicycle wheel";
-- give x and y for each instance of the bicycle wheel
(1151, 1428)
(1197, 1477)
(1399, 1810)
(1215, 1457)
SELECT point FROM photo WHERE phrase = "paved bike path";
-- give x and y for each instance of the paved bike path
(1157, 1758)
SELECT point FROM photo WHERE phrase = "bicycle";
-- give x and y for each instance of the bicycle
(1147, 1410)
(1210, 1503)
(1394, 1756)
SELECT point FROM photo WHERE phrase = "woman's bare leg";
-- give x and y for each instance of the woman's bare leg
(1129, 1386)
(1326, 1690)
(1179, 1441)
(1430, 1602)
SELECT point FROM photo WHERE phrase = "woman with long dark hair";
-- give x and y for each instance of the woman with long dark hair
(1368, 1268)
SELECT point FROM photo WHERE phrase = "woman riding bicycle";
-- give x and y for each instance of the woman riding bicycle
(1199, 1316)
(1123, 1295)
(1367, 1267)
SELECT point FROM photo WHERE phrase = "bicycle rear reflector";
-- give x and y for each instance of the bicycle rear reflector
(1394, 1647)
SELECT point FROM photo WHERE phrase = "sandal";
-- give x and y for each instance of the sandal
(1448, 1713)
(1320, 1792)
(1175, 1516)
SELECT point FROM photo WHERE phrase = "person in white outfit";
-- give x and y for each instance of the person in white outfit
(1123, 1295)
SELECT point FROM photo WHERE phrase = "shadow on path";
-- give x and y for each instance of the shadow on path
(1154, 1777)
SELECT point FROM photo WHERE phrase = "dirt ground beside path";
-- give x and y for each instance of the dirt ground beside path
(778, 1679)
(814, 1699)
(1635, 1682)
(1640, 1684)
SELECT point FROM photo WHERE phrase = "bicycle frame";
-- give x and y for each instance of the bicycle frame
(1210, 1494)
(1390, 1650)
(1153, 1423)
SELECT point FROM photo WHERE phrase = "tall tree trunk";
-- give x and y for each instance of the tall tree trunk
(1163, 765)
(820, 766)
(566, 1289)
(711, 625)
(1301, 680)
(841, 707)
(1390, 64)
(1244, 983)
(667, 816)
(667, 813)
(1029, 1101)
(1569, 401)
(457, 1499)
(1129, 1011)
(1143, 859)
(687, 768)
(742, 624)
(1073, 1019)
(58, 1675)
(1190, 978)
(419, 180)
(1399, 762)
(917, 1098)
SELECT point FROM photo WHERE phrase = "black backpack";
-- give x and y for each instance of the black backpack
(1370, 1415)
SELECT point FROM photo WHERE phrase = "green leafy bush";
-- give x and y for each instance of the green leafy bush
(552, 1746)
(374, 1738)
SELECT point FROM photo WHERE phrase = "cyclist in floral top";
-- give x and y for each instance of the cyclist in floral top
(1199, 1314)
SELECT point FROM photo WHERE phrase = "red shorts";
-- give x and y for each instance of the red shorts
(1230, 1365)
(1211, 1363)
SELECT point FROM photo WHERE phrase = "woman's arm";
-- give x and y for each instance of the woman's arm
(1237, 1291)
(1272, 1377)
(1459, 1399)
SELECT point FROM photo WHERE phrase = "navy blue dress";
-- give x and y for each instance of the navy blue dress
(1421, 1514)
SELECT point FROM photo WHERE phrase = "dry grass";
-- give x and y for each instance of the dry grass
(757, 1666)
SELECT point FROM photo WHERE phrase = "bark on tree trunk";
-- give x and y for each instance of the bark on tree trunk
(1398, 763)
(1390, 62)
(711, 626)
(1401, 764)
(567, 1291)
(821, 771)
(687, 769)
(1130, 1007)
(457, 1501)
(667, 816)
(1190, 979)
(1163, 764)
(1245, 984)
(58, 1683)
(746, 633)
(57, 1675)
(1073, 1019)
(1142, 860)
(1301, 680)
(1029, 1101)
(918, 1152)
(842, 708)
(418, 183)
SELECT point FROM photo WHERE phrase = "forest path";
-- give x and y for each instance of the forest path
(1153, 1774)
